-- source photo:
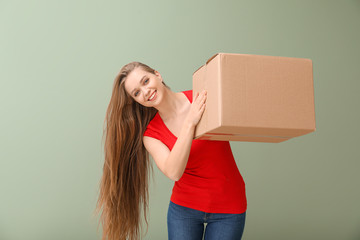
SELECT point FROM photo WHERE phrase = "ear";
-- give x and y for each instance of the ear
(158, 75)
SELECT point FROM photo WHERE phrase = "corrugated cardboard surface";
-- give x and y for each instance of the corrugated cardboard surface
(208, 78)
(255, 98)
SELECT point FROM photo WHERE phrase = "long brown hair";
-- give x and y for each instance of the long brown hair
(124, 195)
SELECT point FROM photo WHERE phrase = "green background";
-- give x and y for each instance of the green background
(58, 60)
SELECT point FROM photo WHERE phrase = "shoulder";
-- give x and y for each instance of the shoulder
(154, 122)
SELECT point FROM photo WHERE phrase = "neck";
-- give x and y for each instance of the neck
(171, 105)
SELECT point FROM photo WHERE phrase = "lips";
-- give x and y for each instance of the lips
(153, 96)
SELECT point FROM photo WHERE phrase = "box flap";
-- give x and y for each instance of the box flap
(207, 61)
(197, 69)
(211, 58)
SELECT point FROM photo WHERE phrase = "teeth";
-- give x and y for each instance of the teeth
(152, 96)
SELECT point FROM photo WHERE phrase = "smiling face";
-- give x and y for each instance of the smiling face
(144, 87)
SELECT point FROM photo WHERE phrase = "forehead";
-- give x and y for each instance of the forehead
(133, 79)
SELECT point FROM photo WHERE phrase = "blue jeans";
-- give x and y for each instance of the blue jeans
(189, 224)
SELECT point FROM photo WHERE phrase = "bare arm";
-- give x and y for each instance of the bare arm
(172, 163)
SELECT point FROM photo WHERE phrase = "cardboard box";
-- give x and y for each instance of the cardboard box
(255, 98)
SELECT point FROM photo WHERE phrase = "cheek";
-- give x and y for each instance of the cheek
(140, 100)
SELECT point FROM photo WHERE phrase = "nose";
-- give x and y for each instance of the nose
(146, 93)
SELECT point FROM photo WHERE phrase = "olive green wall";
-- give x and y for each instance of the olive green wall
(58, 60)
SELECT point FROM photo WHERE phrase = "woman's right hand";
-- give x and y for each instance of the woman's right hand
(197, 108)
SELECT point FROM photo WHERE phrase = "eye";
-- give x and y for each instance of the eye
(146, 81)
(136, 93)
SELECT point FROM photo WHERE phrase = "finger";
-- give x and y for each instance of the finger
(202, 96)
(196, 96)
(203, 93)
(203, 99)
(202, 108)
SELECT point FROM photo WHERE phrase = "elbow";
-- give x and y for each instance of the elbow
(173, 172)
(175, 176)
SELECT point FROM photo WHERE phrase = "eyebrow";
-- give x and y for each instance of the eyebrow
(141, 80)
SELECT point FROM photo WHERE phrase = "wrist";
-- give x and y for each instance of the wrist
(189, 125)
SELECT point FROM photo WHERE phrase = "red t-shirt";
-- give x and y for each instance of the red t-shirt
(211, 181)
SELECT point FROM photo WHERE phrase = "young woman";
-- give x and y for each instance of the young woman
(145, 116)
